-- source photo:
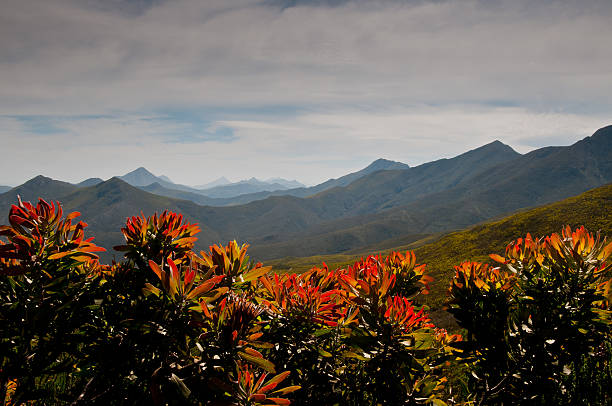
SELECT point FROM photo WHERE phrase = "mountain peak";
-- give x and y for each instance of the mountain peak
(140, 169)
(114, 183)
(40, 186)
(382, 164)
(39, 180)
(140, 177)
(603, 132)
(89, 182)
(494, 147)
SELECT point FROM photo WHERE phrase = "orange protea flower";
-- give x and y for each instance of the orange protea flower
(400, 312)
(38, 234)
(476, 275)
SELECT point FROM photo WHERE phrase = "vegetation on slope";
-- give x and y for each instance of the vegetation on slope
(424, 200)
(592, 209)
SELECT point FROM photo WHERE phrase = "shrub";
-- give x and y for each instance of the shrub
(537, 319)
(169, 326)
(46, 309)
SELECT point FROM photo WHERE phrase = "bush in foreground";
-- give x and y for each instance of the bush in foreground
(171, 326)
(539, 322)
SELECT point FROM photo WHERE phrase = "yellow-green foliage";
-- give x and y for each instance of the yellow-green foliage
(533, 318)
(592, 209)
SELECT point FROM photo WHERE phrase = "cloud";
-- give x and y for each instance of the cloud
(303, 89)
(65, 57)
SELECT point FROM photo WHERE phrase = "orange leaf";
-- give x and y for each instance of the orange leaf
(498, 258)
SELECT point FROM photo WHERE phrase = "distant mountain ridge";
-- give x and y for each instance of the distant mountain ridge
(289, 184)
(222, 192)
(4, 189)
(381, 206)
(378, 165)
(90, 182)
(217, 182)
(220, 182)
(142, 178)
(242, 187)
(539, 177)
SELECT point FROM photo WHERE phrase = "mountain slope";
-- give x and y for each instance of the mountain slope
(40, 186)
(217, 182)
(243, 187)
(593, 209)
(90, 182)
(141, 177)
(384, 178)
(391, 188)
(4, 189)
(289, 184)
(540, 177)
(231, 194)
(198, 198)
(390, 205)
(378, 165)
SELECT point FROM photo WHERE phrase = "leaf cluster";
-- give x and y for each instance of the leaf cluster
(536, 318)
(169, 326)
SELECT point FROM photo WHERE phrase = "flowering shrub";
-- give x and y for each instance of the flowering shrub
(45, 304)
(533, 321)
(169, 326)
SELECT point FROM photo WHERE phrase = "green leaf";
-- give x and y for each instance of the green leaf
(288, 389)
(261, 362)
(150, 289)
(321, 332)
(255, 273)
(350, 354)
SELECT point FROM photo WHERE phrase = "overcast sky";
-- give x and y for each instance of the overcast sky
(306, 90)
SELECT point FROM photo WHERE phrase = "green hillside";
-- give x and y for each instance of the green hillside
(426, 201)
(593, 209)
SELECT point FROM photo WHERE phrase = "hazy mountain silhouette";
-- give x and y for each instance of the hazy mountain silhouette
(217, 182)
(232, 194)
(383, 205)
(90, 182)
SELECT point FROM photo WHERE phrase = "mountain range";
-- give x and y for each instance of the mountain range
(392, 206)
(233, 194)
(252, 185)
(592, 209)
(218, 189)
(217, 182)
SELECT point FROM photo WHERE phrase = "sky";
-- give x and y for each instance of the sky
(306, 90)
